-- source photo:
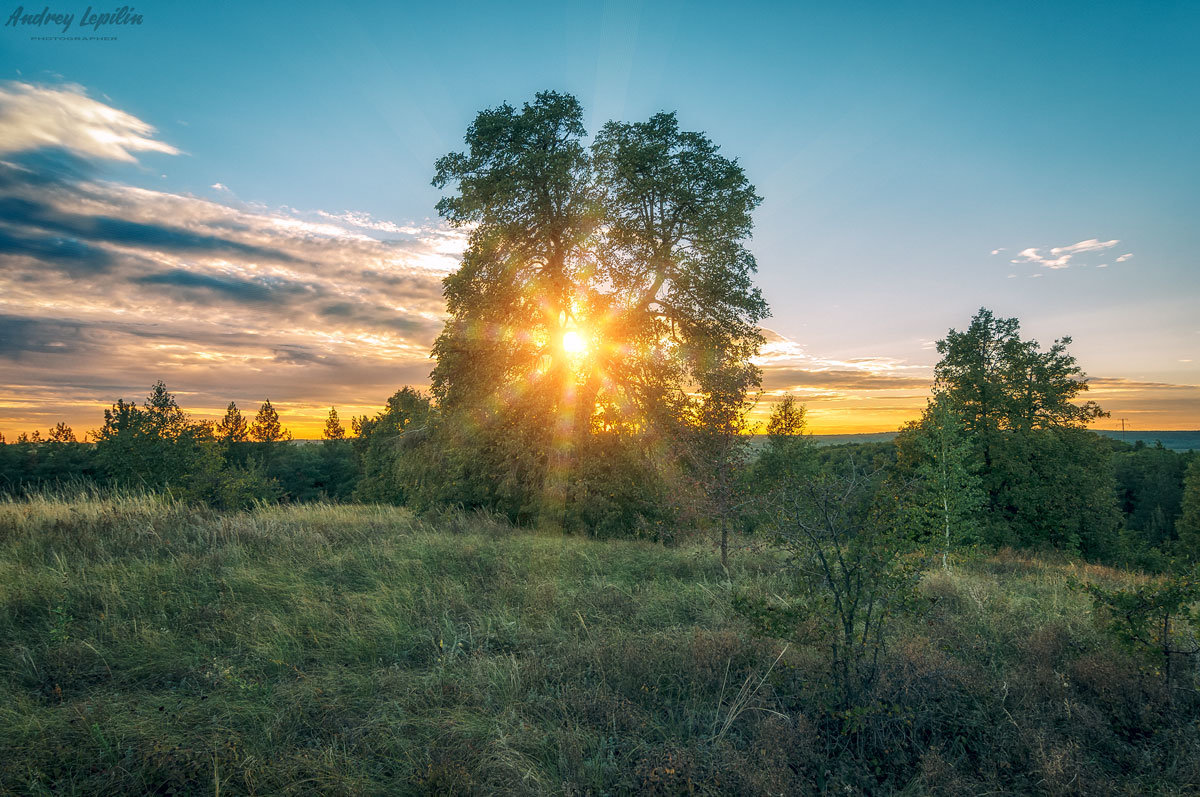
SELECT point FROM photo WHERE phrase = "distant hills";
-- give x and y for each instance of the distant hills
(1174, 440)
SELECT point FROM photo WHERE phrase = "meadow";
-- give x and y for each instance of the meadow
(152, 647)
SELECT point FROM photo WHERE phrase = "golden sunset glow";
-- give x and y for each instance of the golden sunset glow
(574, 344)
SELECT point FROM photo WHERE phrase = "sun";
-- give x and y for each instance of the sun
(573, 343)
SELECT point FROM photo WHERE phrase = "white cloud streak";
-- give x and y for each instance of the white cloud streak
(33, 116)
(1060, 256)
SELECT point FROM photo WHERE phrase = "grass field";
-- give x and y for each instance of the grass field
(153, 648)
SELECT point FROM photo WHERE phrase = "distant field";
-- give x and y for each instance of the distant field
(150, 648)
(839, 439)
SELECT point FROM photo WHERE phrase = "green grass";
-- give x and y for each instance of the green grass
(153, 648)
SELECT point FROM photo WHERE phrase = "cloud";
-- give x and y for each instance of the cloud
(238, 290)
(1060, 256)
(34, 117)
(788, 367)
(792, 378)
(365, 221)
(1155, 405)
(1090, 245)
(29, 213)
(21, 336)
(67, 254)
(1124, 257)
(105, 288)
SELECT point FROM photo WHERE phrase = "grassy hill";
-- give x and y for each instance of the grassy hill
(150, 648)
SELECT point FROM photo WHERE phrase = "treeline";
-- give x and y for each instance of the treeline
(157, 446)
(1000, 457)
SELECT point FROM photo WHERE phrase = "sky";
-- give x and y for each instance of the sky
(236, 199)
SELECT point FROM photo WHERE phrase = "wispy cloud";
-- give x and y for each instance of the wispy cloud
(33, 116)
(1060, 256)
(853, 394)
(367, 222)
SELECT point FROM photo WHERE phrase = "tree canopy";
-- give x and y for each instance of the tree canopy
(1045, 480)
(605, 289)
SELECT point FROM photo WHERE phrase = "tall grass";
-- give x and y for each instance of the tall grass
(150, 647)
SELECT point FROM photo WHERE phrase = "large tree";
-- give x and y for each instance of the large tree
(1045, 479)
(1000, 382)
(604, 290)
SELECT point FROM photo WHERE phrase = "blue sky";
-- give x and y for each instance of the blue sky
(897, 145)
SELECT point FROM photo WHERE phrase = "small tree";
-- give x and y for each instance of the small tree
(789, 456)
(1157, 618)
(333, 426)
(62, 434)
(266, 427)
(232, 428)
(156, 444)
(715, 447)
(850, 573)
(946, 497)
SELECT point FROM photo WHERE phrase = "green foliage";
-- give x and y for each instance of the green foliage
(789, 456)
(1150, 485)
(712, 446)
(240, 487)
(849, 573)
(996, 381)
(266, 427)
(61, 434)
(387, 448)
(333, 426)
(561, 244)
(25, 465)
(1045, 480)
(618, 491)
(1053, 487)
(232, 428)
(1159, 618)
(943, 496)
(676, 215)
(156, 445)
(1188, 525)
